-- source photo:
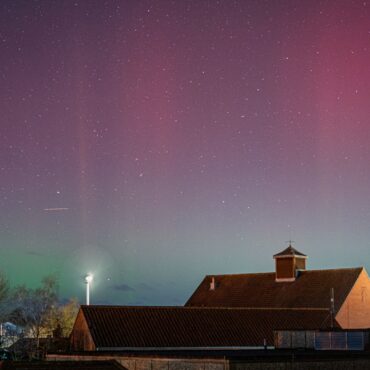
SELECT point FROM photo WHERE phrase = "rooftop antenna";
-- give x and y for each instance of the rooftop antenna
(332, 301)
(290, 241)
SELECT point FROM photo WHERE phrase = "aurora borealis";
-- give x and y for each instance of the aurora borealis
(154, 142)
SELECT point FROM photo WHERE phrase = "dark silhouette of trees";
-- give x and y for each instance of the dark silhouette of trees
(32, 307)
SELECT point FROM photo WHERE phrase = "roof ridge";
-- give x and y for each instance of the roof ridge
(241, 273)
(273, 272)
(336, 269)
(207, 308)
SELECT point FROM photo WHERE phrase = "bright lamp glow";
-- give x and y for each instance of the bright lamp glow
(88, 278)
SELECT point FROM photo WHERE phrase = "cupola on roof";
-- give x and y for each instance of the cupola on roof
(288, 263)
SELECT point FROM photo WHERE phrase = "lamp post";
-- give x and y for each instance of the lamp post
(88, 280)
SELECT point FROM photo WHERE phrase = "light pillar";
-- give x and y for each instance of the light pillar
(88, 280)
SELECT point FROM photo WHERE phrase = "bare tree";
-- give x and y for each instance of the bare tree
(32, 307)
(5, 306)
(61, 319)
(4, 296)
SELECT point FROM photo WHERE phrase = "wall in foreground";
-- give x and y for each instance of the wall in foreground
(149, 363)
(303, 365)
(334, 361)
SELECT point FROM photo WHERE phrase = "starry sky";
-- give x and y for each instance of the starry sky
(154, 142)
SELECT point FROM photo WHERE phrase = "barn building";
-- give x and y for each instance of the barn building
(345, 292)
(239, 311)
(234, 311)
(238, 321)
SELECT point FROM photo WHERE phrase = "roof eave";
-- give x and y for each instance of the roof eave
(204, 348)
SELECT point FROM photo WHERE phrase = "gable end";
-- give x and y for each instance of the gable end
(81, 339)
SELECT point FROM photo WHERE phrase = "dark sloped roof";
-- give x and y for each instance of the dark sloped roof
(311, 289)
(113, 327)
(290, 251)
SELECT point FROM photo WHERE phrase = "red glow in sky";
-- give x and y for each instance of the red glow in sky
(152, 142)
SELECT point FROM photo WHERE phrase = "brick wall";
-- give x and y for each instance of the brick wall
(258, 363)
(285, 268)
(81, 339)
(355, 311)
(345, 364)
(148, 363)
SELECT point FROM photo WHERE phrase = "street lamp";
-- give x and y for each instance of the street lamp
(88, 280)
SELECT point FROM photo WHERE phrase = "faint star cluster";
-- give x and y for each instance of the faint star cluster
(157, 141)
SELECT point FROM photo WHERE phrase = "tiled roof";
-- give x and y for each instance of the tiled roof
(120, 327)
(311, 289)
(290, 251)
(61, 365)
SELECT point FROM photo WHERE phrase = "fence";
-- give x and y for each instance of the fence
(322, 340)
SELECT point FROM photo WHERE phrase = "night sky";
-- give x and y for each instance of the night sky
(154, 142)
